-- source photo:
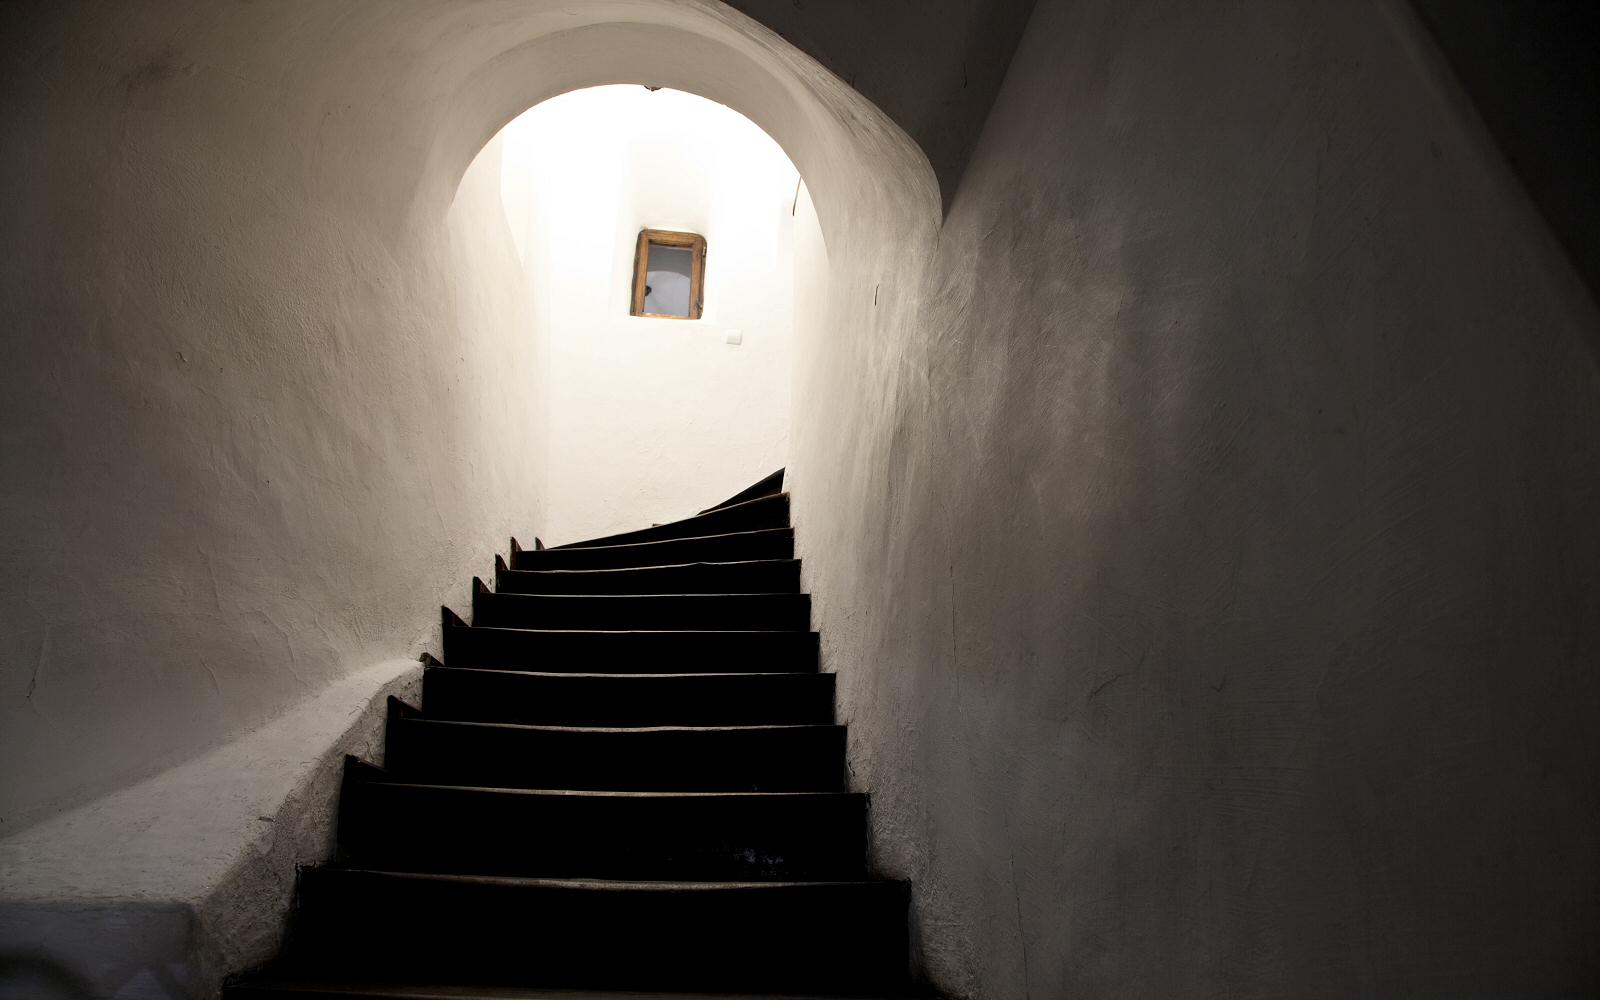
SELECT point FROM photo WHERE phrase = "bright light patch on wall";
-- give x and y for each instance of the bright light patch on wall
(612, 145)
(669, 382)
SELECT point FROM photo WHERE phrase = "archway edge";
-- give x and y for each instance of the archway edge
(859, 165)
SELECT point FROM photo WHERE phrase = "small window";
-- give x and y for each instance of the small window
(669, 274)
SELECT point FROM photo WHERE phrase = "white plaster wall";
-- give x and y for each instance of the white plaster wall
(272, 401)
(159, 890)
(262, 418)
(653, 419)
(274, 397)
(1207, 537)
(1203, 529)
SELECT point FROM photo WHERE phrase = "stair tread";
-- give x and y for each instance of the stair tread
(613, 885)
(689, 612)
(741, 594)
(586, 698)
(657, 758)
(656, 651)
(564, 675)
(761, 543)
(625, 729)
(750, 535)
(638, 631)
(680, 572)
(408, 991)
(759, 509)
(698, 564)
(769, 485)
(614, 794)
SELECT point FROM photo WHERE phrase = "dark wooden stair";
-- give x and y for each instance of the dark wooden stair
(624, 775)
(738, 546)
(610, 699)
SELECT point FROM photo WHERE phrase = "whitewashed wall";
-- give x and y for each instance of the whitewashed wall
(653, 419)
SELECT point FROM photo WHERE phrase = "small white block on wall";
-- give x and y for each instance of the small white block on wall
(735, 337)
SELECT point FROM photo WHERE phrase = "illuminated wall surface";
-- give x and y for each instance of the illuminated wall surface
(652, 419)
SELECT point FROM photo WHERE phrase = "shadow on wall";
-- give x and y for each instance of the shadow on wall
(1531, 71)
(934, 66)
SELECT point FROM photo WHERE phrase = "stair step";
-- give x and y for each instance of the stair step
(618, 835)
(764, 576)
(275, 988)
(752, 515)
(572, 699)
(769, 486)
(704, 935)
(778, 612)
(663, 759)
(739, 546)
(623, 652)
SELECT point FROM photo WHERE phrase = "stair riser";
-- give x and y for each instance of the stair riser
(756, 515)
(785, 937)
(731, 838)
(775, 544)
(772, 577)
(807, 759)
(733, 700)
(636, 653)
(778, 612)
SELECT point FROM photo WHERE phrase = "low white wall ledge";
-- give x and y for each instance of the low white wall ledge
(158, 891)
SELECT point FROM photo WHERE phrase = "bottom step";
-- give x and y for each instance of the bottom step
(263, 988)
(793, 936)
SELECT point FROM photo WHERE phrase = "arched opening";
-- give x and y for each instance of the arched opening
(647, 415)
(286, 266)
(868, 191)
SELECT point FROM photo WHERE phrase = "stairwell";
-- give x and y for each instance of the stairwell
(626, 774)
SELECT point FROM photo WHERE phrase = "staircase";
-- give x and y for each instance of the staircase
(625, 775)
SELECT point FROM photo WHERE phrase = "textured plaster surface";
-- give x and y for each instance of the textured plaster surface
(932, 65)
(273, 399)
(158, 890)
(265, 413)
(1203, 526)
(273, 395)
(1208, 539)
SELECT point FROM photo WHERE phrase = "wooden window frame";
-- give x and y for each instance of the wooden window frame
(697, 272)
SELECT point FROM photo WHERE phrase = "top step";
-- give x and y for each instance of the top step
(268, 987)
(739, 546)
(751, 515)
(765, 488)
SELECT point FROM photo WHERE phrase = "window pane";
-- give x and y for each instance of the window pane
(666, 280)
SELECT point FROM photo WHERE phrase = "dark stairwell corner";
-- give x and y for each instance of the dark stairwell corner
(625, 774)
(1531, 72)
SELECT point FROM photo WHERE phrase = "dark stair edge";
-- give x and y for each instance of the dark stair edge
(488, 647)
(270, 983)
(707, 564)
(767, 486)
(648, 553)
(403, 712)
(733, 576)
(629, 699)
(764, 612)
(602, 676)
(749, 508)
